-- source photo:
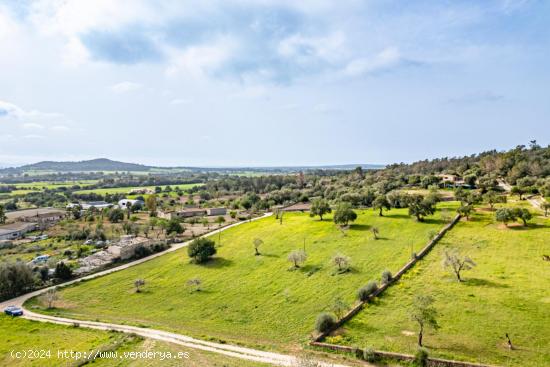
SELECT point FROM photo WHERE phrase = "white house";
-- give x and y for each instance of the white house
(127, 203)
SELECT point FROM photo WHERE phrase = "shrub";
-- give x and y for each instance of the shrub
(325, 322)
(142, 251)
(370, 355)
(386, 277)
(201, 249)
(421, 358)
(365, 291)
(63, 271)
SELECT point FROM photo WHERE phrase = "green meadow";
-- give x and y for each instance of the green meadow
(20, 335)
(125, 190)
(258, 301)
(507, 292)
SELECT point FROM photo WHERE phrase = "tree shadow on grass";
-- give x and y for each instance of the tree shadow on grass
(310, 269)
(401, 216)
(477, 282)
(360, 227)
(434, 221)
(349, 270)
(217, 262)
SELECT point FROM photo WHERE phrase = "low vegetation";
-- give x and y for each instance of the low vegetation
(252, 299)
(505, 294)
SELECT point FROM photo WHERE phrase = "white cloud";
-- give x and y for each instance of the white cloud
(32, 126)
(385, 59)
(303, 49)
(125, 87)
(200, 60)
(11, 110)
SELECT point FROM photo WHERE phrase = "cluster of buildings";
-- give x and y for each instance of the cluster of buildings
(22, 221)
(192, 212)
(123, 250)
(99, 205)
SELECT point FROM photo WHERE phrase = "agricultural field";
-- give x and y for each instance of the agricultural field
(259, 301)
(19, 334)
(507, 292)
(25, 188)
(125, 190)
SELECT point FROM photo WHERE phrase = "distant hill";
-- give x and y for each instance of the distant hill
(100, 164)
(104, 164)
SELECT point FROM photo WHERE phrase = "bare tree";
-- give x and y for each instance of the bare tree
(456, 262)
(424, 314)
(51, 296)
(375, 232)
(297, 257)
(257, 243)
(138, 283)
(195, 283)
(341, 261)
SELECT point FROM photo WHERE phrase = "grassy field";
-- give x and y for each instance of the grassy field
(507, 292)
(25, 188)
(21, 335)
(254, 300)
(125, 190)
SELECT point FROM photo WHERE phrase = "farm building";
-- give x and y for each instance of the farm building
(16, 230)
(91, 204)
(126, 247)
(126, 203)
(185, 213)
(43, 217)
(216, 211)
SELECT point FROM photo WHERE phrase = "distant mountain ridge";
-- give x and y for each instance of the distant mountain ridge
(99, 164)
(104, 164)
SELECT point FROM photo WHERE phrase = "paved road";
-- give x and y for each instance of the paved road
(535, 201)
(225, 349)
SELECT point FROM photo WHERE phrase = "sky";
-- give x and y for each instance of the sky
(271, 83)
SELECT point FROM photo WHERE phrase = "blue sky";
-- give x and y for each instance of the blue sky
(226, 83)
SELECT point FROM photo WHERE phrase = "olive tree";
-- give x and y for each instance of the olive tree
(381, 203)
(465, 210)
(344, 214)
(424, 314)
(523, 214)
(319, 207)
(257, 243)
(505, 215)
(339, 307)
(341, 261)
(195, 284)
(324, 322)
(297, 257)
(375, 232)
(138, 283)
(419, 207)
(454, 261)
(201, 249)
(51, 296)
